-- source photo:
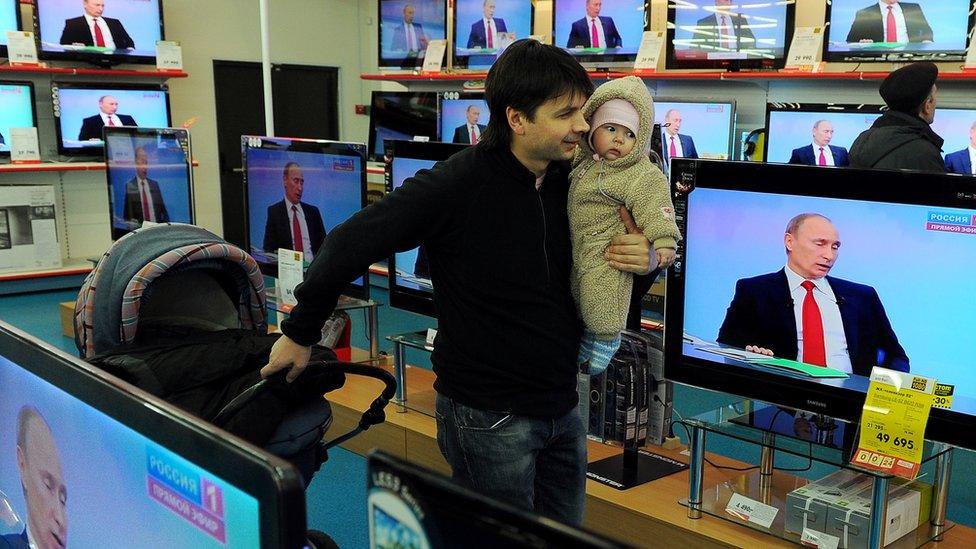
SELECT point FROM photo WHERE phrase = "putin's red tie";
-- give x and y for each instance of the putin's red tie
(813, 334)
(99, 38)
(474, 138)
(891, 32)
(594, 36)
(296, 230)
(822, 161)
(491, 35)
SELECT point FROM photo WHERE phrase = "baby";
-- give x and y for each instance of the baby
(612, 168)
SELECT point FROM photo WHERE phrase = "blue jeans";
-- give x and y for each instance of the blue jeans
(536, 464)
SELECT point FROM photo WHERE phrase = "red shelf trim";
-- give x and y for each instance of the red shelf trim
(81, 71)
(675, 75)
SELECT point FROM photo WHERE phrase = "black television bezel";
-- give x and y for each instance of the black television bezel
(313, 146)
(373, 122)
(20, 26)
(671, 62)
(410, 299)
(832, 397)
(706, 100)
(604, 59)
(461, 61)
(133, 132)
(455, 96)
(275, 483)
(100, 59)
(826, 108)
(395, 63)
(94, 150)
(33, 105)
(887, 57)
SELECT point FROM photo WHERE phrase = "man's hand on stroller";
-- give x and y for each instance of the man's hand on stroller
(285, 353)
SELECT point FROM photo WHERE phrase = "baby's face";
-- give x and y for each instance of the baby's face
(613, 141)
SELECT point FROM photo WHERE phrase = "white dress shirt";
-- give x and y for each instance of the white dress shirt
(972, 160)
(901, 29)
(678, 151)
(410, 36)
(599, 31)
(827, 154)
(149, 215)
(116, 121)
(306, 242)
(106, 34)
(473, 128)
(835, 342)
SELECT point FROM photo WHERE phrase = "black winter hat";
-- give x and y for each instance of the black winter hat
(906, 88)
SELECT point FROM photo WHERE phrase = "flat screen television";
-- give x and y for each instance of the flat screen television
(858, 30)
(462, 117)
(484, 28)
(9, 21)
(406, 26)
(400, 115)
(730, 286)
(701, 128)
(958, 128)
(108, 465)
(126, 30)
(324, 180)
(82, 110)
(618, 28)
(410, 285)
(718, 34)
(150, 177)
(795, 132)
(16, 110)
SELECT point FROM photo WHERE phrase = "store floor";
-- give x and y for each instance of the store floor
(336, 499)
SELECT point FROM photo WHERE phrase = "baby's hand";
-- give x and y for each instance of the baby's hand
(665, 257)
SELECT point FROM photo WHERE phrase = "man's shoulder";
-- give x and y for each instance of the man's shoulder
(850, 288)
(958, 154)
(92, 118)
(309, 208)
(277, 205)
(761, 281)
(73, 20)
(111, 20)
(800, 149)
(837, 148)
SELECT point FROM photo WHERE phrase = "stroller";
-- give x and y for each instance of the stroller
(180, 313)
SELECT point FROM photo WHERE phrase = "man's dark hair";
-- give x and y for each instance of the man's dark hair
(524, 77)
(284, 173)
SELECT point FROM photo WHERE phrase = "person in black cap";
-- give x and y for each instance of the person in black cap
(902, 139)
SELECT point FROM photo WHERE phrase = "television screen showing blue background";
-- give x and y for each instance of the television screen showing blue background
(8, 18)
(767, 21)
(515, 14)
(168, 167)
(627, 15)
(953, 125)
(734, 234)
(708, 124)
(140, 18)
(948, 19)
(790, 130)
(121, 487)
(147, 107)
(429, 14)
(406, 277)
(382, 134)
(16, 110)
(454, 115)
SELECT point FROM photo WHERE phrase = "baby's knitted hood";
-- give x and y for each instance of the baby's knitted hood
(632, 90)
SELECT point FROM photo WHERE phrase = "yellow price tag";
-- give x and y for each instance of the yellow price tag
(893, 421)
(943, 396)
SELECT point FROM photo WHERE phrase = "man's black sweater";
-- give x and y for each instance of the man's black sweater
(500, 256)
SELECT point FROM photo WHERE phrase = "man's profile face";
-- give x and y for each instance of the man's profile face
(489, 9)
(473, 113)
(408, 13)
(823, 133)
(593, 7)
(94, 8)
(928, 107)
(108, 104)
(44, 490)
(294, 184)
(813, 250)
(556, 129)
(673, 119)
(142, 164)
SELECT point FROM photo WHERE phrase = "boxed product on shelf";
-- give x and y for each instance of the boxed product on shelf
(909, 505)
(28, 230)
(807, 507)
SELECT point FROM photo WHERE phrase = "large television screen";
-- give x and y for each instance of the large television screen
(463, 117)
(484, 28)
(958, 128)
(723, 34)
(695, 129)
(150, 177)
(89, 461)
(318, 183)
(16, 110)
(401, 115)
(600, 32)
(858, 30)
(118, 31)
(406, 27)
(740, 278)
(795, 132)
(82, 110)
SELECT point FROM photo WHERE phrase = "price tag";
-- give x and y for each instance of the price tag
(751, 510)
(652, 42)
(169, 56)
(434, 56)
(893, 421)
(24, 148)
(943, 396)
(290, 275)
(806, 49)
(21, 48)
(820, 540)
(431, 334)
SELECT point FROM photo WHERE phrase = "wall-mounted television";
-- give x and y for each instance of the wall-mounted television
(16, 110)
(796, 132)
(400, 115)
(957, 127)
(600, 33)
(104, 33)
(82, 110)
(406, 27)
(462, 117)
(695, 128)
(484, 28)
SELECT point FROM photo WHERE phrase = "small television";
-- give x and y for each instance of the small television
(462, 118)
(400, 115)
(16, 110)
(934, 31)
(484, 28)
(734, 218)
(406, 27)
(703, 128)
(618, 28)
(9, 21)
(324, 180)
(109, 465)
(410, 286)
(795, 131)
(717, 34)
(126, 31)
(958, 128)
(82, 110)
(150, 177)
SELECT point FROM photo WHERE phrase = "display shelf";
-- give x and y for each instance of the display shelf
(59, 167)
(82, 71)
(67, 268)
(679, 75)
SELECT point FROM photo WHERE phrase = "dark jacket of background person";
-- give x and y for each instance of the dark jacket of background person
(898, 141)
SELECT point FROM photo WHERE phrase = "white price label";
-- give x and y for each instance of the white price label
(169, 56)
(434, 56)
(820, 540)
(431, 334)
(24, 148)
(751, 510)
(806, 49)
(21, 48)
(652, 42)
(290, 275)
